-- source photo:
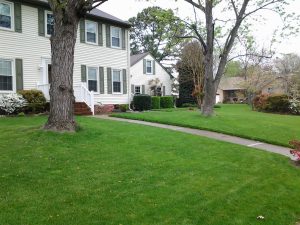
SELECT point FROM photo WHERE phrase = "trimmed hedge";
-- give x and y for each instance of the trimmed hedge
(166, 102)
(155, 102)
(142, 102)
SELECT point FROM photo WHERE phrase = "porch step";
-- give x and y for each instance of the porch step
(82, 109)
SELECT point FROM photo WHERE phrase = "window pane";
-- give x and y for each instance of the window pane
(93, 85)
(92, 73)
(137, 90)
(116, 76)
(117, 86)
(50, 24)
(149, 67)
(115, 32)
(91, 30)
(4, 9)
(6, 83)
(115, 42)
(5, 67)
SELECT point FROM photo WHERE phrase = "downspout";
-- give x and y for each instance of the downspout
(128, 70)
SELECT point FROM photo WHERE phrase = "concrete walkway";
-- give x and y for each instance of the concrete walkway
(214, 135)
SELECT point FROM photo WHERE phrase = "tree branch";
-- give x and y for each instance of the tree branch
(197, 5)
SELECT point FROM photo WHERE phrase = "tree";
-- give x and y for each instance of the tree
(192, 63)
(67, 14)
(240, 11)
(156, 30)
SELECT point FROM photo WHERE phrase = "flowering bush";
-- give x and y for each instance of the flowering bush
(295, 106)
(11, 103)
(296, 151)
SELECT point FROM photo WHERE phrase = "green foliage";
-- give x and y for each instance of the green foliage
(142, 102)
(155, 102)
(124, 107)
(186, 86)
(33, 96)
(167, 102)
(233, 69)
(156, 30)
(36, 101)
(188, 105)
(278, 103)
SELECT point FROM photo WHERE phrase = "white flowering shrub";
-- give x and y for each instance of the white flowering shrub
(295, 106)
(11, 103)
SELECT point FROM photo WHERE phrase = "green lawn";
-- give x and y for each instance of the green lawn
(238, 120)
(115, 173)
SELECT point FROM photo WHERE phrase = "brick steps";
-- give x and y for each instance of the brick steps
(81, 109)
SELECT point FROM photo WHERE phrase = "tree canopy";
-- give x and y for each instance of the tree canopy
(157, 31)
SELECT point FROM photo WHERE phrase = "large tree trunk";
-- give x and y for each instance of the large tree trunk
(62, 98)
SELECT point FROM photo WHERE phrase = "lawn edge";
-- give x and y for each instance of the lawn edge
(123, 116)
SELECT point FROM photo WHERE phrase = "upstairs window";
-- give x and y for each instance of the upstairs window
(6, 75)
(117, 81)
(91, 32)
(92, 79)
(149, 67)
(6, 16)
(116, 37)
(49, 23)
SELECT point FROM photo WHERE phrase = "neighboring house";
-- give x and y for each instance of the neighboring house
(148, 76)
(230, 90)
(102, 58)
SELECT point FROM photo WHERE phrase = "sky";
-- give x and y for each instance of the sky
(124, 9)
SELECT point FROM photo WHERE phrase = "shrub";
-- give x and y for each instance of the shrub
(296, 150)
(188, 105)
(217, 106)
(36, 101)
(142, 102)
(278, 103)
(33, 96)
(123, 107)
(260, 102)
(155, 102)
(295, 106)
(11, 104)
(167, 102)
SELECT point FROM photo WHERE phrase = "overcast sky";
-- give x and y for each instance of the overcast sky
(124, 9)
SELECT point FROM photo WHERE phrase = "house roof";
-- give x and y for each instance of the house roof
(134, 59)
(95, 13)
(231, 83)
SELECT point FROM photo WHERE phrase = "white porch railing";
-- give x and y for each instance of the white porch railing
(82, 94)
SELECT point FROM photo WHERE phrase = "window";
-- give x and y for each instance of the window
(92, 79)
(117, 81)
(137, 90)
(149, 67)
(91, 32)
(49, 23)
(6, 17)
(6, 75)
(116, 37)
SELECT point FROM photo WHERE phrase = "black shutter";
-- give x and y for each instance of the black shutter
(109, 81)
(19, 74)
(41, 21)
(100, 34)
(108, 41)
(101, 79)
(124, 82)
(153, 64)
(83, 73)
(144, 66)
(123, 39)
(18, 17)
(82, 30)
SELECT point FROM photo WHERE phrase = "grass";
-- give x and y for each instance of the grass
(237, 120)
(112, 173)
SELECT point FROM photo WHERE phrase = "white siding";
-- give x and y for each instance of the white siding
(32, 48)
(139, 78)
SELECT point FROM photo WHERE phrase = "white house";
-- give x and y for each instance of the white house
(102, 54)
(148, 76)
